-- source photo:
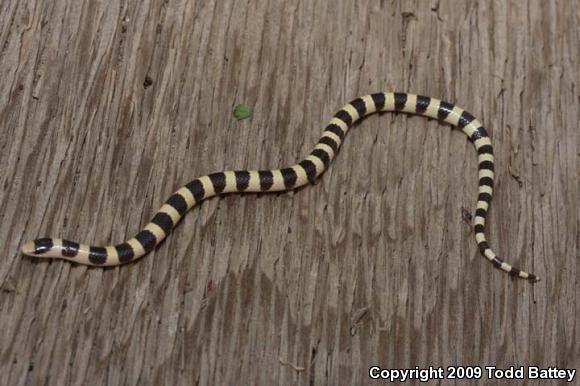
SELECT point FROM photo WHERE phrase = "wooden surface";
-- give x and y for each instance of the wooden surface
(108, 107)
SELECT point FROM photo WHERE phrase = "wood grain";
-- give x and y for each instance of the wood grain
(106, 107)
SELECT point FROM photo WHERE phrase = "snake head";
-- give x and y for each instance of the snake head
(38, 248)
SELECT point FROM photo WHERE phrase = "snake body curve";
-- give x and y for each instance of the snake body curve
(292, 177)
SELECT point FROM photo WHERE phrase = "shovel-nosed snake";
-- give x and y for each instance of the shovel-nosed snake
(292, 177)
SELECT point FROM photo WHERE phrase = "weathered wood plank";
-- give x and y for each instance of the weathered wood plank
(107, 107)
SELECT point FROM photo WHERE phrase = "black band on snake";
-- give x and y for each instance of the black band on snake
(292, 177)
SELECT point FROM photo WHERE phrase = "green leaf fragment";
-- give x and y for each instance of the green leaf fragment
(242, 112)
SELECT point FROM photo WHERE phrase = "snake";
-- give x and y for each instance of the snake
(292, 177)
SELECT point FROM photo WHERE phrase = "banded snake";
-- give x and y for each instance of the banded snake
(292, 177)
